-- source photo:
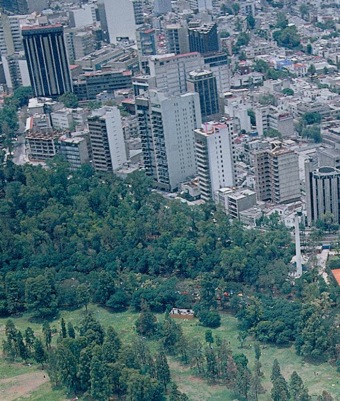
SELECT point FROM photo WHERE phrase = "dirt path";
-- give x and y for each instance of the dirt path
(21, 386)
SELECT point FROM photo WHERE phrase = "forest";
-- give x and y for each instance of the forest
(71, 239)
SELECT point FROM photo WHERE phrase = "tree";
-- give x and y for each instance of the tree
(297, 390)
(209, 337)
(288, 92)
(111, 346)
(69, 99)
(309, 49)
(304, 10)
(250, 21)
(83, 295)
(211, 370)
(281, 20)
(40, 297)
(279, 390)
(276, 370)
(175, 394)
(311, 70)
(29, 340)
(162, 369)
(146, 324)
(70, 330)
(47, 332)
(22, 349)
(39, 355)
(63, 332)
(100, 389)
(209, 319)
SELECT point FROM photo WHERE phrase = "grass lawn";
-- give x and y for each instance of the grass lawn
(316, 377)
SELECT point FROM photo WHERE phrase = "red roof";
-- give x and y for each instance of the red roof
(336, 274)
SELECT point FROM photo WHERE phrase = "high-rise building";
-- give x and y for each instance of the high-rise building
(120, 17)
(215, 157)
(171, 72)
(322, 192)
(101, 13)
(107, 139)
(204, 39)
(166, 127)
(162, 7)
(79, 43)
(177, 39)
(10, 34)
(146, 41)
(204, 83)
(46, 56)
(277, 174)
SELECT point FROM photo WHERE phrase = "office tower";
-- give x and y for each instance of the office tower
(10, 34)
(177, 39)
(120, 17)
(217, 63)
(101, 13)
(138, 11)
(46, 56)
(214, 147)
(204, 39)
(162, 7)
(277, 174)
(204, 83)
(322, 192)
(107, 139)
(171, 72)
(166, 127)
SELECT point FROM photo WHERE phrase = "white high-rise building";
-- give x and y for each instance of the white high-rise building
(83, 16)
(166, 127)
(201, 5)
(162, 7)
(214, 144)
(120, 17)
(107, 139)
(171, 71)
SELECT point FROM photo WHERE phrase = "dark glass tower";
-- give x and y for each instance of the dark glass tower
(47, 60)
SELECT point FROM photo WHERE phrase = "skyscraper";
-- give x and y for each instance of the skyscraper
(204, 39)
(166, 127)
(277, 174)
(177, 39)
(204, 83)
(322, 192)
(107, 139)
(47, 60)
(214, 147)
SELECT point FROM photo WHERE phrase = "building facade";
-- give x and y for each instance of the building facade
(177, 39)
(46, 56)
(204, 39)
(322, 193)
(107, 139)
(204, 83)
(214, 148)
(166, 128)
(277, 174)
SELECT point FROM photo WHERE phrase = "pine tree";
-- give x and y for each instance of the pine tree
(146, 324)
(100, 387)
(209, 337)
(84, 370)
(276, 370)
(111, 346)
(280, 389)
(47, 332)
(70, 330)
(211, 370)
(63, 332)
(29, 340)
(39, 352)
(176, 395)
(162, 369)
(21, 347)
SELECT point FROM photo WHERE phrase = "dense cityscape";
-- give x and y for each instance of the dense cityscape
(170, 200)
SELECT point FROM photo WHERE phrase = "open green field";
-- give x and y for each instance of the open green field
(316, 377)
